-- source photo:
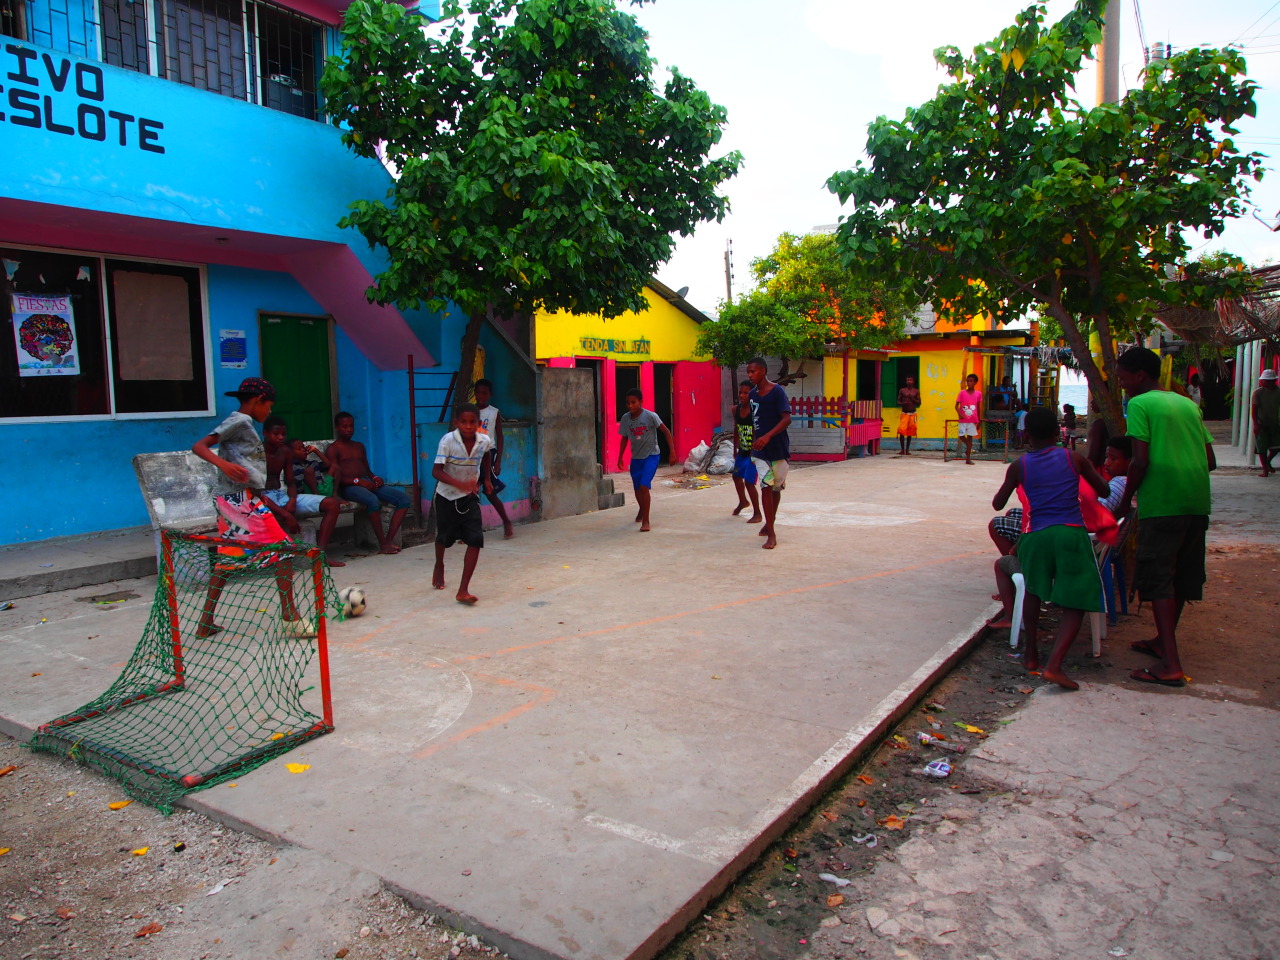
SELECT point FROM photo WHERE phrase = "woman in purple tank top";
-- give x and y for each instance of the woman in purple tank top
(1054, 550)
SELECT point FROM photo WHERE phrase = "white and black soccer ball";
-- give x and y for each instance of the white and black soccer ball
(352, 601)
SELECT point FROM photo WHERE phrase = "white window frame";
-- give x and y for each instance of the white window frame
(107, 340)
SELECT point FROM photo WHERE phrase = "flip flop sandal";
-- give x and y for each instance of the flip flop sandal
(1144, 646)
(1146, 676)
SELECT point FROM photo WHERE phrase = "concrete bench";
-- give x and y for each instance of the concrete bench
(177, 487)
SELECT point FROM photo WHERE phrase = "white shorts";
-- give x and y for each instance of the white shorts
(968, 430)
(772, 473)
(307, 504)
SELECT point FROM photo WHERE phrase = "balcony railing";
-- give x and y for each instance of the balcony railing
(239, 48)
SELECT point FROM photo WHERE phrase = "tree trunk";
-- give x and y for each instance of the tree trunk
(464, 391)
(1099, 387)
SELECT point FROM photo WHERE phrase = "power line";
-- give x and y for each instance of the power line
(1142, 36)
(1255, 22)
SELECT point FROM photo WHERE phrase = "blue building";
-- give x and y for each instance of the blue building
(168, 226)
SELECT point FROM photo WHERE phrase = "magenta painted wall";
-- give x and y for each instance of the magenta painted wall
(697, 403)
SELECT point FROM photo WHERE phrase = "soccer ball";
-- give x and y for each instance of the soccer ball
(351, 601)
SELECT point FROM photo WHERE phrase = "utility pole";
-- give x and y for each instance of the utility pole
(1109, 55)
(728, 269)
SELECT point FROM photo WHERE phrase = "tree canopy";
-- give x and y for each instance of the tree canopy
(1003, 192)
(538, 165)
(805, 299)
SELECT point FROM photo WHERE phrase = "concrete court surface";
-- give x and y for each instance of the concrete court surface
(573, 767)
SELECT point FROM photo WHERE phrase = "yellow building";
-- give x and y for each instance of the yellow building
(652, 351)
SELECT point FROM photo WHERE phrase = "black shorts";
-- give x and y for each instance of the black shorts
(1170, 561)
(458, 520)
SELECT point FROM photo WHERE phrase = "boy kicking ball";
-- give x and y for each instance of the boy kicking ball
(463, 457)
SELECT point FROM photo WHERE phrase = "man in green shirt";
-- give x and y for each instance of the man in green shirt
(1169, 473)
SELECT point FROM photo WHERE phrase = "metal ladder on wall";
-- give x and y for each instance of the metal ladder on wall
(422, 384)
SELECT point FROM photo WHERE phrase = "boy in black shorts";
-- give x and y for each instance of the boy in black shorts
(744, 470)
(463, 457)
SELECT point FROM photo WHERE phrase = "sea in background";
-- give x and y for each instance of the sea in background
(1072, 389)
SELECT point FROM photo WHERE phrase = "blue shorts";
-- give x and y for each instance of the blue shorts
(306, 505)
(373, 499)
(744, 468)
(642, 470)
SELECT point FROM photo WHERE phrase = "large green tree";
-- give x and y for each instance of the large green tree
(538, 166)
(805, 298)
(1003, 192)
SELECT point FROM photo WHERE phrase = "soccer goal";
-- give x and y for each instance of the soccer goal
(991, 443)
(215, 687)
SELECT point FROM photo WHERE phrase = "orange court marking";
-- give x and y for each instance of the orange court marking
(545, 695)
(719, 606)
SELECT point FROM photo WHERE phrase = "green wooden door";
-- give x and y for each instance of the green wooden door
(296, 358)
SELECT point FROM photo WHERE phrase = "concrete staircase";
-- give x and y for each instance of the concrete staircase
(605, 495)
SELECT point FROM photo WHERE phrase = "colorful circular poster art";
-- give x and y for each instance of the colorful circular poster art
(46, 337)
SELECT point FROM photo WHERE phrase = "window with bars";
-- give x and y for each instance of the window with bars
(244, 49)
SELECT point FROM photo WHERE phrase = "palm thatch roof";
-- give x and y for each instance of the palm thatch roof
(1255, 317)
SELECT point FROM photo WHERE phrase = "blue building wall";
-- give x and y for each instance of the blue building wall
(189, 157)
(89, 463)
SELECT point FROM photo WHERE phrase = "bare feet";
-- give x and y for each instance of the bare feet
(755, 518)
(467, 598)
(1001, 621)
(770, 541)
(644, 527)
(202, 631)
(740, 507)
(969, 462)
(764, 532)
(437, 576)
(336, 563)
(1061, 679)
(639, 518)
(388, 548)
(508, 531)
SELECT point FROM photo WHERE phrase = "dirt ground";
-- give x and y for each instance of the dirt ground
(78, 879)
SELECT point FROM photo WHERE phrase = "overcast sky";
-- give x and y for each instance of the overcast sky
(802, 79)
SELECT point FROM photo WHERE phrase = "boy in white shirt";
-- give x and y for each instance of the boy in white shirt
(464, 456)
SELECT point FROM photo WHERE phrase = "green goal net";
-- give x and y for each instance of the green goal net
(223, 678)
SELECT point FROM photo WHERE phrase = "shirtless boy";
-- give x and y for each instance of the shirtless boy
(355, 481)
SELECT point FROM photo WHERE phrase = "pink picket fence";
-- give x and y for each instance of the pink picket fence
(824, 428)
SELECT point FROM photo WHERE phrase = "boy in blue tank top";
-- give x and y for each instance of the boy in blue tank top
(1054, 549)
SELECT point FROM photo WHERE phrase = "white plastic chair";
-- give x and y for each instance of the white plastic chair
(1097, 621)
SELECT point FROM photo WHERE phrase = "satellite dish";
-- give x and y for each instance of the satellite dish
(682, 292)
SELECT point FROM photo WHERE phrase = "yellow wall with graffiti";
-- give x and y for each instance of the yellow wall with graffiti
(944, 364)
(660, 333)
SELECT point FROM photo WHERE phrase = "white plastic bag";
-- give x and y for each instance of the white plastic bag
(693, 463)
(721, 456)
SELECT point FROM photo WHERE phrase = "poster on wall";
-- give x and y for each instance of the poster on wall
(44, 330)
(233, 349)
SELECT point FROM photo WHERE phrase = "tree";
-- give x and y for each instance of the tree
(805, 299)
(538, 166)
(1003, 192)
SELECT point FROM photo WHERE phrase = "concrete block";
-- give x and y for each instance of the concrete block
(608, 500)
